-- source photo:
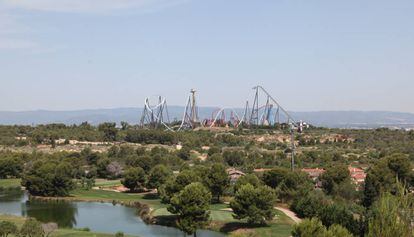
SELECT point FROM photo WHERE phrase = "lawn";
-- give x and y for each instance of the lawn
(107, 183)
(60, 232)
(223, 221)
(109, 196)
(9, 183)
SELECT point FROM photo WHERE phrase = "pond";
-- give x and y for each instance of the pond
(98, 217)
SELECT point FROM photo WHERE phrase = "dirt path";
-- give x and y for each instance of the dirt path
(289, 213)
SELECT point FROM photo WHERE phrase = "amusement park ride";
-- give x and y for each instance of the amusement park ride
(269, 113)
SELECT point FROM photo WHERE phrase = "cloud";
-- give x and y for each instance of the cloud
(88, 6)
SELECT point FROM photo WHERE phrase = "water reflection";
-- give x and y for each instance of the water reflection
(62, 213)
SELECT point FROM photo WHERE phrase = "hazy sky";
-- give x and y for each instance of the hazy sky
(311, 55)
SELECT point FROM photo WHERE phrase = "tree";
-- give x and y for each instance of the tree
(49, 179)
(333, 177)
(31, 228)
(314, 228)
(400, 165)
(109, 131)
(287, 183)
(101, 167)
(255, 204)
(158, 176)
(10, 167)
(383, 176)
(310, 204)
(174, 186)
(339, 214)
(247, 179)
(124, 125)
(191, 205)
(234, 158)
(134, 179)
(217, 180)
(392, 215)
(7, 228)
(309, 228)
(338, 231)
(273, 178)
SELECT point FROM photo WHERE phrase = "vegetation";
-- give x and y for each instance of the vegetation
(7, 228)
(134, 179)
(48, 179)
(315, 228)
(191, 205)
(48, 163)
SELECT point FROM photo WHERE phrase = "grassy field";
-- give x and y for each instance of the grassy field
(9, 183)
(60, 232)
(107, 183)
(109, 196)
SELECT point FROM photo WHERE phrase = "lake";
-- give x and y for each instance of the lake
(98, 217)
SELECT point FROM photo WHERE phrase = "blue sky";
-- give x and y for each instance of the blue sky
(311, 55)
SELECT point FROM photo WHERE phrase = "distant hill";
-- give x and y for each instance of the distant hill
(341, 119)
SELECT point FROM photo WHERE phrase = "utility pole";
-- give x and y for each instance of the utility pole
(292, 139)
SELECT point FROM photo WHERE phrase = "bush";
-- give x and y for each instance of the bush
(7, 228)
(119, 234)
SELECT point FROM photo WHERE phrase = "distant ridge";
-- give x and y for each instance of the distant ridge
(337, 119)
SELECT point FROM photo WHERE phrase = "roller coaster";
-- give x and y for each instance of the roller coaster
(265, 111)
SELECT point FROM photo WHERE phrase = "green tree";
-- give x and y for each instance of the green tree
(247, 179)
(10, 167)
(337, 231)
(309, 228)
(124, 125)
(217, 180)
(333, 177)
(134, 179)
(273, 178)
(392, 215)
(158, 176)
(7, 228)
(336, 213)
(101, 167)
(234, 158)
(31, 228)
(383, 175)
(49, 179)
(287, 183)
(109, 131)
(310, 204)
(191, 205)
(174, 186)
(314, 228)
(255, 204)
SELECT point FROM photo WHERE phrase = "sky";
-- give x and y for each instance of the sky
(311, 55)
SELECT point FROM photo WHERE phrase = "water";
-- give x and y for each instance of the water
(99, 217)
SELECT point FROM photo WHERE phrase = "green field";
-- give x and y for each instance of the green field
(109, 196)
(107, 183)
(9, 183)
(60, 232)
